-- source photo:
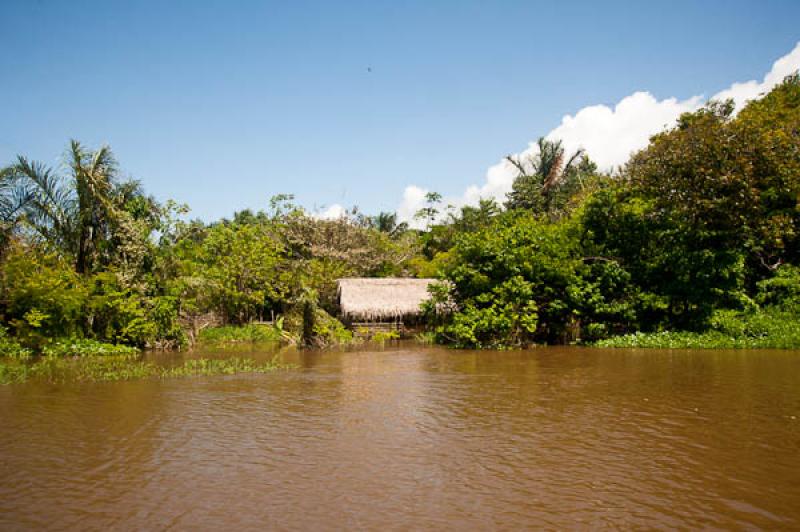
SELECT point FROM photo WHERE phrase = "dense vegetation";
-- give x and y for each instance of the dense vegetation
(694, 241)
(87, 256)
(702, 222)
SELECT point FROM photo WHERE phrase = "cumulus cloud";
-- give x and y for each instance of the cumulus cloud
(334, 212)
(748, 90)
(413, 200)
(609, 135)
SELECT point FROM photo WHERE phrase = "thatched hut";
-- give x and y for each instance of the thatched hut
(391, 301)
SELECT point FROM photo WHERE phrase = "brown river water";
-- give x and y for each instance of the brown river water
(410, 437)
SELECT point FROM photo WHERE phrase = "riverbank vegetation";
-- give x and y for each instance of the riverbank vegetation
(762, 329)
(94, 368)
(694, 242)
(254, 333)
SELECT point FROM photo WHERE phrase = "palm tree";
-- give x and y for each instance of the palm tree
(386, 222)
(73, 213)
(541, 176)
(473, 218)
(14, 199)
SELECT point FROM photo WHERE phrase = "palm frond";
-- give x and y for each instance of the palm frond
(50, 203)
(103, 166)
(575, 158)
(516, 163)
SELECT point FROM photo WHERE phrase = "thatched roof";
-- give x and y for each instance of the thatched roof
(381, 299)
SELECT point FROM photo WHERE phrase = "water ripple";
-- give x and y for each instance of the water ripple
(424, 438)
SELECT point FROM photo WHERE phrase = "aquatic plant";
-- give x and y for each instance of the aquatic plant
(229, 334)
(384, 336)
(13, 372)
(425, 337)
(83, 347)
(227, 366)
(102, 368)
(770, 329)
(11, 348)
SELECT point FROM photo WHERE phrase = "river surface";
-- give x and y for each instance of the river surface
(412, 437)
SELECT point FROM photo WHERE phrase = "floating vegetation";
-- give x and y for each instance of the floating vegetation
(81, 347)
(11, 348)
(227, 366)
(426, 337)
(384, 336)
(239, 334)
(13, 373)
(689, 340)
(92, 368)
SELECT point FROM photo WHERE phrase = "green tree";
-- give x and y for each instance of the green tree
(440, 237)
(546, 180)
(386, 222)
(85, 212)
(240, 264)
(708, 209)
(510, 282)
(429, 213)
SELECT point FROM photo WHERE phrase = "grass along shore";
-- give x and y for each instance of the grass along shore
(94, 368)
(767, 329)
(84, 360)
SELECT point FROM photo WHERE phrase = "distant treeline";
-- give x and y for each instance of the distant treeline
(697, 232)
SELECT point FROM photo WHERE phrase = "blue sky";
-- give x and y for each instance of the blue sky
(223, 104)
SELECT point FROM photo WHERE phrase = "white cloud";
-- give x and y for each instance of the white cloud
(413, 200)
(334, 212)
(609, 135)
(748, 90)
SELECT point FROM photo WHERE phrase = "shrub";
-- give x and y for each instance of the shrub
(330, 331)
(44, 298)
(123, 315)
(782, 289)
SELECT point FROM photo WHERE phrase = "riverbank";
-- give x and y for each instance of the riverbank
(83, 360)
(226, 350)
